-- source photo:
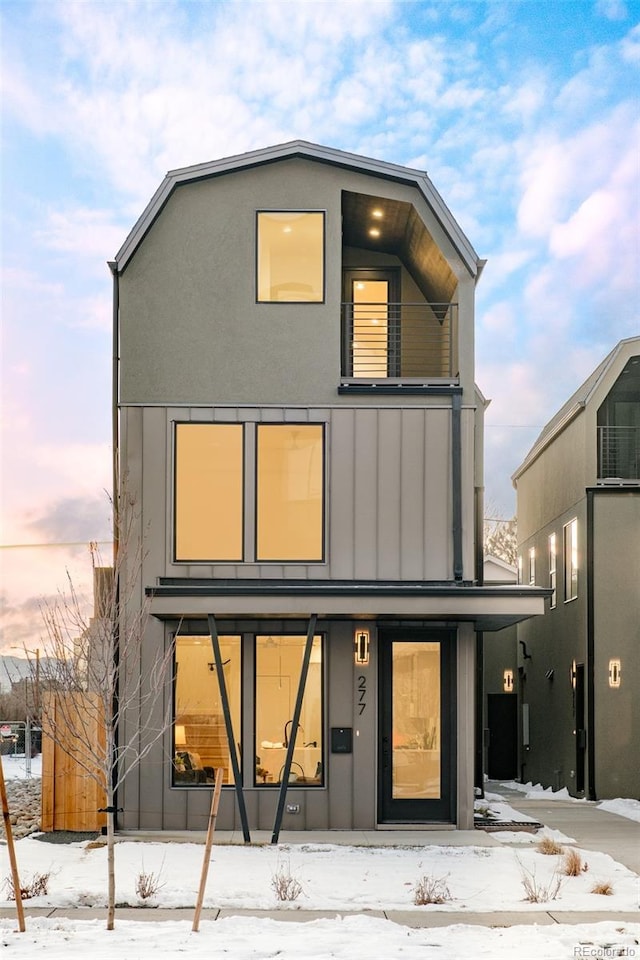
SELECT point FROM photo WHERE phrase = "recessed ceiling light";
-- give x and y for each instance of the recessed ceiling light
(374, 232)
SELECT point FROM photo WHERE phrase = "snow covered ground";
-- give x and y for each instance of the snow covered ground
(333, 878)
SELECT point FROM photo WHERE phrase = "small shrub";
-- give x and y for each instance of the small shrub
(572, 863)
(431, 890)
(602, 887)
(549, 846)
(538, 892)
(148, 884)
(284, 884)
(36, 886)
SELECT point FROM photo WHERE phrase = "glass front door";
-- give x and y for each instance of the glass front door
(415, 760)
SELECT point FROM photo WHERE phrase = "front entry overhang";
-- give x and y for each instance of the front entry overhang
(489, 608)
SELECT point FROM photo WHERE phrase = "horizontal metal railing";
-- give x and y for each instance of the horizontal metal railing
(390, 340)
(619, 453)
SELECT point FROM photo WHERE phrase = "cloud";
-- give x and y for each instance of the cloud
(73, 519)
(82, 232)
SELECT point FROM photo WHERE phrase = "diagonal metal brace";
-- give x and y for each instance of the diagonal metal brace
(224, 696)
(284, 783)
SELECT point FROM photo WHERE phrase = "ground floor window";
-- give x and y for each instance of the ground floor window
(200, 743)
(199, 733)
(278, 666)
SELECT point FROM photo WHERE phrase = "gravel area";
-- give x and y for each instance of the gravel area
(24, 802)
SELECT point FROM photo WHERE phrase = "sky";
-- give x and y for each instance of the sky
(482, 878)
(524, 114)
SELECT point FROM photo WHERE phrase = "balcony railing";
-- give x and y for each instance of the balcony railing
(619, 453)
(398, 340)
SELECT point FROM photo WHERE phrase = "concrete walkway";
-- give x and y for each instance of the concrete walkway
(584, 822)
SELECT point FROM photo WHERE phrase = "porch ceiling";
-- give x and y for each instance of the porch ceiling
(402, 233)
(489, 608)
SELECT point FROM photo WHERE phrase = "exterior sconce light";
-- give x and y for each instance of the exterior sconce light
(361, 646)
(573, 674)
(507, 681)
(614, 673)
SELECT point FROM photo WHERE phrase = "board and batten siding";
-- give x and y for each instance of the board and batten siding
(389, 496)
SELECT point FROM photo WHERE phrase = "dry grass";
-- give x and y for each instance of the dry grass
(148, 884)
(284, 884)
(431, 890)
(37, 886)
(572, 865)
(549, 846)
(538, 892)
(602, 887)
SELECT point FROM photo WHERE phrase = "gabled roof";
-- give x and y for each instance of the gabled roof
(309, 151)
(574, 405)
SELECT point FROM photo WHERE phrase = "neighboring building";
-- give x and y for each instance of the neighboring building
(578, 496)
(499, 684)
(301, 432)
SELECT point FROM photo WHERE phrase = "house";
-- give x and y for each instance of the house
(298, 424)
(578, 494)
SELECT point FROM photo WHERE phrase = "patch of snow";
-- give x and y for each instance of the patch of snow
(623, 807)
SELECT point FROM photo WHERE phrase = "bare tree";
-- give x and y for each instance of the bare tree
(96, 667)
(501, 537)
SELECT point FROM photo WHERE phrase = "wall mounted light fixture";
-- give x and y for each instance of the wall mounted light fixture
(573, 675)
(507, 681)
(361, 646)
(614, 673)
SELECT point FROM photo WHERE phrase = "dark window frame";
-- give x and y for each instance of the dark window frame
(323, 714)
(291, 560)
(243, 520)
(284, 303)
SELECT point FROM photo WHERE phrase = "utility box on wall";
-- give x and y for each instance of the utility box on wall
(341, 740)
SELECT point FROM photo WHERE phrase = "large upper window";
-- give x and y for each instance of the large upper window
(290, 492)
(278, 666)
(199, 732)
(290, 257)
(209, 491)
(571, 560)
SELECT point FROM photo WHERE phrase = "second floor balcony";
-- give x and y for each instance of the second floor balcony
(619, 454)
(382, 341)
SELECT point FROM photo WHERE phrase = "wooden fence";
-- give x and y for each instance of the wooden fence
(71, 798)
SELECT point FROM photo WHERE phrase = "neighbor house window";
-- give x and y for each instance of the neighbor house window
(278, 666)
(532, 565)
(552, 568)
(209, 491)
(571, 560)
(290, 492)
(199, 732)
(290, 257)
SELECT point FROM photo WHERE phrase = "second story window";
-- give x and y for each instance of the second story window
(209, 491)
(571, 560)
(290, 492)
(290, 256)
(552, 568)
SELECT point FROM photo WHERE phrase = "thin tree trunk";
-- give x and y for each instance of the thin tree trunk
(111, 869)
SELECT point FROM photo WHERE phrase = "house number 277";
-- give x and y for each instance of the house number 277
(362, 694)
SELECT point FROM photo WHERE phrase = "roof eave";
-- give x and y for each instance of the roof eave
(300, 148)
